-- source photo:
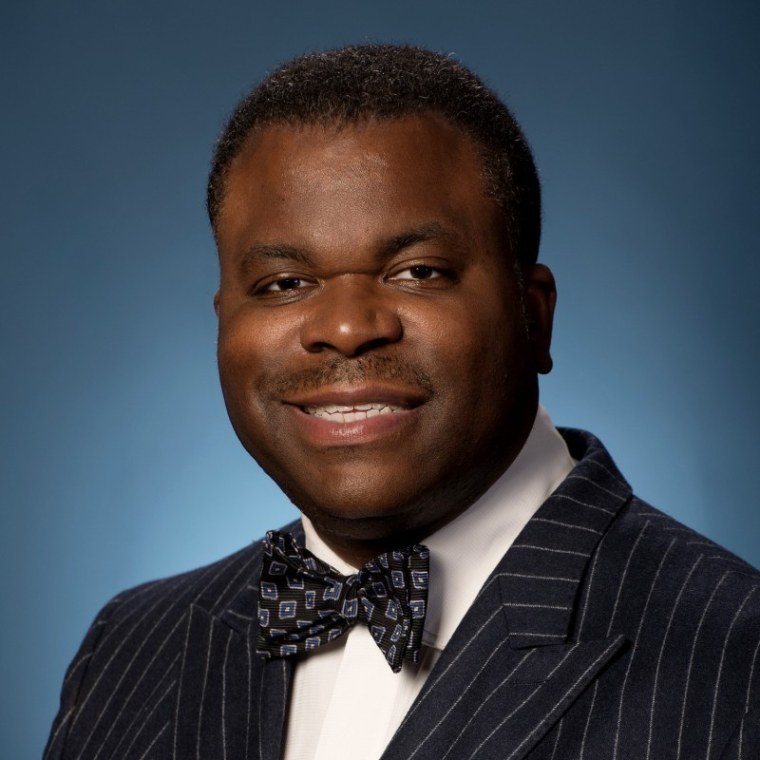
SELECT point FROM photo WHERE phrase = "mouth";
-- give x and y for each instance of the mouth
(355, 413)
(340, 414)
(368, 400)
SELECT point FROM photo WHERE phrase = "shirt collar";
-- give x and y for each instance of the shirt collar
(464, 552)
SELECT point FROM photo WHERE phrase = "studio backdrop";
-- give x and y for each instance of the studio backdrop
(119, 464)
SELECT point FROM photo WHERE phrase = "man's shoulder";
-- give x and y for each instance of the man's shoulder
(661, 560)
(203, 586)
(141, 645)
(664, 533)
(211, 587)
(637, 525)
(686, 610)
(650, 562)
(663, 584)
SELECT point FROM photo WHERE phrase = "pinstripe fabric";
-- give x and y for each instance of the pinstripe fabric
(607, 631)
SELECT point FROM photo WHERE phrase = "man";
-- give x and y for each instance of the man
(382, 321)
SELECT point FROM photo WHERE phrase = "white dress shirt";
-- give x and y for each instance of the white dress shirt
(334, 688)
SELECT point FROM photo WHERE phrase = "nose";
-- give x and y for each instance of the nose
(351, 315)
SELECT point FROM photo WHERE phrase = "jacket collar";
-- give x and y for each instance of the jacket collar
(231, 702)
(540, 577)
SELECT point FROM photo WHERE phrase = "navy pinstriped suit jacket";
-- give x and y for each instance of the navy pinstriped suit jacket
(608, 630)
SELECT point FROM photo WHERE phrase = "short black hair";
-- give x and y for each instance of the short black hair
(362, 82)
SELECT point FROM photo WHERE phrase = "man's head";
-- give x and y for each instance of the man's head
(354, 84)
(378, 342)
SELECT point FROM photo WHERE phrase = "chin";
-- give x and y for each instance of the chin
(392, 528)
(379, 514)
(360, 513)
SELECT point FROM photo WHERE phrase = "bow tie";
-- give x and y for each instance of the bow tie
(304, 603)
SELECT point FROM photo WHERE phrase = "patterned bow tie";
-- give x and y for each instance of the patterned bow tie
(304, 603)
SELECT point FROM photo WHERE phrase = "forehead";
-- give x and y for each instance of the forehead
(327, 179)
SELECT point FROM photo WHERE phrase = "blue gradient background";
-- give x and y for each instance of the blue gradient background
(118, 462)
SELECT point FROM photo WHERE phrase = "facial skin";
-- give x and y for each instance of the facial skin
(366, 265)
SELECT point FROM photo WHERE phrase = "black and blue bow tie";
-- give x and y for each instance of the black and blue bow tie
(304, 603)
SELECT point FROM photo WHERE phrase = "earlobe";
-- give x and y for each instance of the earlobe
(540, 300)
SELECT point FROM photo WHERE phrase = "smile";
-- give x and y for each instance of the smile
(349, 415)
(355, 413)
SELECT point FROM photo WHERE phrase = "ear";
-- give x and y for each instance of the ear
(216, 302)
(540, 300)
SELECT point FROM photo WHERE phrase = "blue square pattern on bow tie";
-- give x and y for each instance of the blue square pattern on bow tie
(288, 649)
(277, 568)
(420, 578)
(391, 610)
(333, 589)
(312, 643)
(397, 631)
(268, 590)
(310, 599)
(294, 583)
(418, 608)
(369, 608)
(350, 608)
(263, 617)
(377, 631)
(287, 609)
(380, 590)
(333, 633)
(397, 578)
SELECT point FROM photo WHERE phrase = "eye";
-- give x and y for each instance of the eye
(418, 272)
(425, 277)
(284, 285)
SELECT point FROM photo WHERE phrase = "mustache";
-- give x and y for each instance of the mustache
(339, 370)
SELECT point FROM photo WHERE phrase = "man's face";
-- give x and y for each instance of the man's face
(373, 347)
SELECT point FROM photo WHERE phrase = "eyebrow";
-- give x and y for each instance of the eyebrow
(269, 252)
(387, 248)
(422, 234)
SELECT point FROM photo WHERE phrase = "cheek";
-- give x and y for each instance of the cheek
(251, 346)
(488, 372)
(466, 345)
(241, 357)
(235, 358)
(245, 364)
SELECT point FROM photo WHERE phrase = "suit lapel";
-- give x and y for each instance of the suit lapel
(516, 662)
(231, 703)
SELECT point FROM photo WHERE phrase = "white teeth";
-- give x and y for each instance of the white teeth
(336, 413)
